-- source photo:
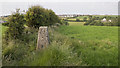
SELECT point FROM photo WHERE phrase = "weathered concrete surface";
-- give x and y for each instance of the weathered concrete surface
(43, 37)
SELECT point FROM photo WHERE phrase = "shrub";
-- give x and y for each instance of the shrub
(16, 25)
(99, 24)
(85, 19)
(77, 20)
(5, 24)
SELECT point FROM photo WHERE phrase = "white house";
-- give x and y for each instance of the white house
(110, 20)
(104, 20)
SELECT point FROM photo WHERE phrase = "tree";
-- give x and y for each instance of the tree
(53, 18)
(37, 16)
(77, 20)
(85, 19)
(16, 25)
(90, 17)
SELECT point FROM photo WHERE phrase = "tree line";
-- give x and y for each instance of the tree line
(109, 21)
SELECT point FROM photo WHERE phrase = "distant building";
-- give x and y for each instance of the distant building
(68, 15)
(110, 20)
(104, 20)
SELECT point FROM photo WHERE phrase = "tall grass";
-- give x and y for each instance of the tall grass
(58, 53)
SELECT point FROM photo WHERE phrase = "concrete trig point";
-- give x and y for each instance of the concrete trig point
(43, 37)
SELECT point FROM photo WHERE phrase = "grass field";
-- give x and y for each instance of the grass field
(76, 23)
(100, 43)
(81, 17)
(3, 29)
(74, 19)
(90, 32)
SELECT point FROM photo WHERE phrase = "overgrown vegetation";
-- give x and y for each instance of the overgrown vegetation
(20, 37)
(60, 52)
(66, 48)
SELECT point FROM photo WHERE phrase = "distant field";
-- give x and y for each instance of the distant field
(76, 23)
(72, 19)
(81, 17)
(100, 43)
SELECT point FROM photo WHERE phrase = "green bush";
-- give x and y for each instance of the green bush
(16, 28)
(77, 20)
(5, 24)
(85, 19)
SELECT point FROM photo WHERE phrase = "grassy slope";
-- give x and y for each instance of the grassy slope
(100, 43)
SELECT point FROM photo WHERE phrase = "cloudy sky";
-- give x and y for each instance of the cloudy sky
(63, 6)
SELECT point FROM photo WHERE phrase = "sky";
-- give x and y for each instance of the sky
(7, 7)
(59, 0)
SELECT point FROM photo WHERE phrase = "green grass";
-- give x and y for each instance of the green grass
(90, 32)
(73, 19)
(100, 43)
(76, 23)
(4, 29)
(82, 17)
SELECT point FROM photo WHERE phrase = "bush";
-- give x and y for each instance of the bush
(64, 22)
(16, 25)
(99, 24)
(77, 20)
(5, 24)
(85, 19)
